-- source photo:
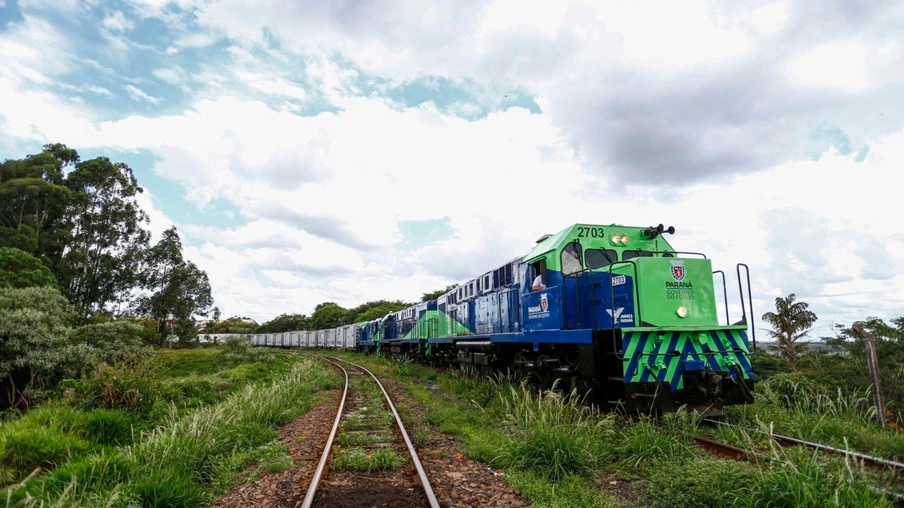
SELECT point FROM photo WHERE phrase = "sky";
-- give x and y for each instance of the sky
(350, 151)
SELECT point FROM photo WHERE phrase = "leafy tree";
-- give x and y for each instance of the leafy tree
(35, 347)
(33, 203)
(374, 310)
(235, 324)
(284, 323)
(328, 315)
(436, 294)
(790, 322)
(178, 289)
(108, 237)
(18, 269)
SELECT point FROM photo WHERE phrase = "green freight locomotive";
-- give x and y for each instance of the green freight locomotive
(608, 308)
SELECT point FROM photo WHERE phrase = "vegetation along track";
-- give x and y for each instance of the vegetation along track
(365, 464)
(736, 453)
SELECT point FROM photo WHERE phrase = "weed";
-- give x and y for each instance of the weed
(357, 459)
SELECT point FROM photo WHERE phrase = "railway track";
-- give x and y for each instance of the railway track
(869, 460)
(368, 484)
(733, 452)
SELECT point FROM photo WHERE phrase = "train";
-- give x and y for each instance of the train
(613, 311)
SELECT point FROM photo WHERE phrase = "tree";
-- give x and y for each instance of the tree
(107, 235)
(374, 310)
(285, 323)
(328, 315)
(436, 294)
(235, 324)
(790, 323)
(177, 289)
(33, 203)
(18, 269)
(35, 350)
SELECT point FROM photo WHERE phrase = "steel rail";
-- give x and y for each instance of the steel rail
(315, 481)
(425, 483)
(790, 441)
(733, 452)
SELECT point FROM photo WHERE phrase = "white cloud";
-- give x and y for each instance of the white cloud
(700, 83)
(139, 94)
(841, 65)
(117, 22)
(33, 51)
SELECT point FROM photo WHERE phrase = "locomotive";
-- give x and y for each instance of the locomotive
(617, 311)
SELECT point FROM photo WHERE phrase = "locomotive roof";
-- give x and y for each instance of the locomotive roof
(547, 243)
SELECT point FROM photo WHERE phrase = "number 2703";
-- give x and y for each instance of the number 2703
(590, 232)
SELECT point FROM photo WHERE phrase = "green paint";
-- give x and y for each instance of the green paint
(654, 357)
(436, 324)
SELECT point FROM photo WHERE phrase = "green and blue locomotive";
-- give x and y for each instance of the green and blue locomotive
(609, 308)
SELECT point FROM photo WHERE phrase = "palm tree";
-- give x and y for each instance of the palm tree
(791, 322)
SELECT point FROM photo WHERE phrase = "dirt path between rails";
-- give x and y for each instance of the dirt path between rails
(306, 438)
(457, 481)
(367, 416)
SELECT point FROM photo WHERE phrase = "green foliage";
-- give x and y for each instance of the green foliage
(107, 239)
(132, 385)
(240, 350)
(328, 315)
(374, 310)
(699, 482)
(284, 323)
(790, 322)
(433, 295)
(175, 463)
(234, 324)
(35, 350)
(18, 269)
(766, 365)
(357, 459)
(800, 480)
(113, 341)
(178, 289)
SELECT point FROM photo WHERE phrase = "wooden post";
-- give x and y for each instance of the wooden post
(872, 361)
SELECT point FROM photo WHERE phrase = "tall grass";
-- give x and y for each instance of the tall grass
(173, 464)
(555, 435)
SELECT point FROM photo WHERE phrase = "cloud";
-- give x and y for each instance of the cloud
(139, 95)
(768, 134)
(117, 22)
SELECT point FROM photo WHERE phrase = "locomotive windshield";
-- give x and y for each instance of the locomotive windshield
(600, 258)
(631, 254)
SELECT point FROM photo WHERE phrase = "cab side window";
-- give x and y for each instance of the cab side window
(538, 268)
(572, 261)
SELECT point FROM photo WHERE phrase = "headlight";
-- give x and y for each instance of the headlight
(624, 239)
(682, 312)
(615, 239)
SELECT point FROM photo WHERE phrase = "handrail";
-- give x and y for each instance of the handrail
(639, 318)
(725, 294)
(666, 252)
(750, 294)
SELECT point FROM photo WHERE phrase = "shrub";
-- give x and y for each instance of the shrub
(239, 349)
(132, 385)
(552, 452)
(113, 341)
(699, 482)
(110, 428)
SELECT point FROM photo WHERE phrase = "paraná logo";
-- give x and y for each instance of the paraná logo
(678, 271)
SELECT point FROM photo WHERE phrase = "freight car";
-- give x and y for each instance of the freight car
(617, 311)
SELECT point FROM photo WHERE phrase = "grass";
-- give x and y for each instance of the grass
(113, 406)
(554, 449)
(359, 459)
(189, 459)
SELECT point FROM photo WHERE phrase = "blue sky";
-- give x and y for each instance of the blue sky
(313, 152)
